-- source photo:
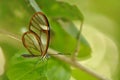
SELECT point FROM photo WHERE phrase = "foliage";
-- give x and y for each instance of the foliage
(14, 19)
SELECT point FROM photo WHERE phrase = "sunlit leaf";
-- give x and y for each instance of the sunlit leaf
(56, 9)
(65, 42)
(29, 69)
(72, 30)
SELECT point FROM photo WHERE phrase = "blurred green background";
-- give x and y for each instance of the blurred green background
(103, 15)
(100, 29)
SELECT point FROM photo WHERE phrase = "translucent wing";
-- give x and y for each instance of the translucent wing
(32, 43)
(36, 40)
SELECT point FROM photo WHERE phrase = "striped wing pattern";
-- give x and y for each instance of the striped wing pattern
(36, 40)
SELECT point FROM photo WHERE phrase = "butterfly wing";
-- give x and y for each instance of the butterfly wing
(31, 41)
(38, 35)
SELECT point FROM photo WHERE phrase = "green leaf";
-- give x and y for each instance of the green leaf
(56, 9)
(60, 40)
(24, 69)
(72, 30)
(58, 70)
(36, 69)
(65, 42)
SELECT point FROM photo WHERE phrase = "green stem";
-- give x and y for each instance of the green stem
(78, 42)
(76, 64)
(34, 5)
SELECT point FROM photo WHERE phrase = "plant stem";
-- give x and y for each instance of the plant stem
(78, 42)
(75, 64)
(68, 60)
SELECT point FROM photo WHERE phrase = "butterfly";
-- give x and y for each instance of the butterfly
(36, 39)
